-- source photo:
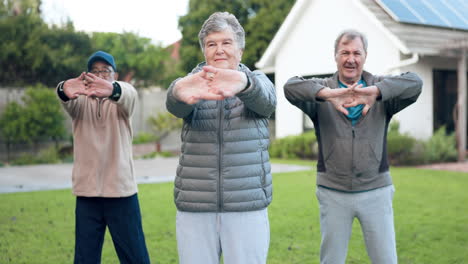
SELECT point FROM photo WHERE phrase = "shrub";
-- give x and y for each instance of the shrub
(144, 137)
(406, 150)
(154, 154)
(440, 147)
(65, 153)
(164, 123)
(303, 146)
(401, 148)
(39, 119)
(45, 156)
(45, 119)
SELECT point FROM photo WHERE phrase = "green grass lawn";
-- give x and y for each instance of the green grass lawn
(431, 218)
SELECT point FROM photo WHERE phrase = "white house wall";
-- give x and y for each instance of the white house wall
(309, 50)
(417, 119)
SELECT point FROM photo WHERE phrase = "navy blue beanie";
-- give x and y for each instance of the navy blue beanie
(101, 56)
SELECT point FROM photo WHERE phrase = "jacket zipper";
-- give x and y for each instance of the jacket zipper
(220, 155)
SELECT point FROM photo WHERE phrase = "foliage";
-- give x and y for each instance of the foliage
(173, 70)
(39, 118)
(440, 147)
(164, 123)
(34, 219)
(401, 148)
(137, 59)
(45, 156)
(154, 154)
(260, 19)
(143, 137)
(264, 20)
(13, 124)
(34, 52)
(44, 115)
(303, 146)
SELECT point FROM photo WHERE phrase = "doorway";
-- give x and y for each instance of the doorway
(445, 99)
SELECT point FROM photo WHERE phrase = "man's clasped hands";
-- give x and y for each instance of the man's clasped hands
(350, 96)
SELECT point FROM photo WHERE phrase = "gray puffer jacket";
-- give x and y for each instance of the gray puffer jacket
(224, 164)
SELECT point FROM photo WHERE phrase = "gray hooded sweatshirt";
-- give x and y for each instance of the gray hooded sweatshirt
(353, 158)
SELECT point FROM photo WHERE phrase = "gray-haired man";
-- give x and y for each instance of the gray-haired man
(351, 111)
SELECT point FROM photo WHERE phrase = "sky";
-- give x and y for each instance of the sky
(155, 19)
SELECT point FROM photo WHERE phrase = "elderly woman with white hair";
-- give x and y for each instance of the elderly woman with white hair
(223, 184)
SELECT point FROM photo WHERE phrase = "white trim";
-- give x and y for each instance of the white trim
(396, 41)
(413, 60)
(296, 12)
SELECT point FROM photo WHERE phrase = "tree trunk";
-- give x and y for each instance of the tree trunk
(158, 146)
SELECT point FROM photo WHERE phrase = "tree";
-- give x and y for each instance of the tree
(138, 60)
(265, 19)
(33, 52)
(260, 19)
(162, 124)
(190, 24)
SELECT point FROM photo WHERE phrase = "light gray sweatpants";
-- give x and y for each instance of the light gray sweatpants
(374, 211)
(241, 237)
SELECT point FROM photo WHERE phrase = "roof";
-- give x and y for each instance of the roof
(409, 38)
(425, 40)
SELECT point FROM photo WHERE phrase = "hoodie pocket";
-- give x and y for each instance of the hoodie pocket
(338, 157)
(367, 157)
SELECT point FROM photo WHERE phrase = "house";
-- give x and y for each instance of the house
(401, 38)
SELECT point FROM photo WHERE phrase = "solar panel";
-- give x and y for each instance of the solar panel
(440, 13)
(456, 19)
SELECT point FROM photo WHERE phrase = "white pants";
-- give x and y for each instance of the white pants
(374, 211)
(241, 237)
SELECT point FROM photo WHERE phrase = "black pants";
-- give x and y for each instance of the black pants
(123, 218)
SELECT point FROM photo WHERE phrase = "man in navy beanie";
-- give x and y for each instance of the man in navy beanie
(103, 172)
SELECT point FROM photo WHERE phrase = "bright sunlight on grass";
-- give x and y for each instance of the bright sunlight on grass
(430, 207)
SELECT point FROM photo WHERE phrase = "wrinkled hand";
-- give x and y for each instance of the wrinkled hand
(225, 82)
(75, 87)
(340, 98)
(193, 88)
(96, 86)
(365, 96)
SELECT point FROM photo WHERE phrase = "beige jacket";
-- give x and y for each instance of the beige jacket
(102, 131)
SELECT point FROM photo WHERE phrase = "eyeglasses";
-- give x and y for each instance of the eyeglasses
(103, 73)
